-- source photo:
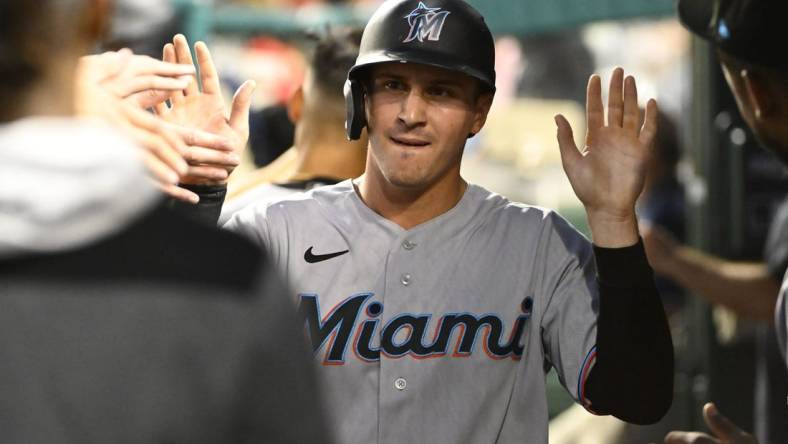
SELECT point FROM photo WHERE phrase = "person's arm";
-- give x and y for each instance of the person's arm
(632, 376)
(205, 111)
(748, 288)
(209, 207)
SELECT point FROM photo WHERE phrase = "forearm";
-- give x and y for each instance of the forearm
(632, 378)
(209, 208)
(749, 289)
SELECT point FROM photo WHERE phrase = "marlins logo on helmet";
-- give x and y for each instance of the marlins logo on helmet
(426, 23)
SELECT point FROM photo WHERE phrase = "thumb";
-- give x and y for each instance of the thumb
(721, 426)
(239, 115)
(566, 142)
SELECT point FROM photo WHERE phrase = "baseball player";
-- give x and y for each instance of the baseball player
(436, 307)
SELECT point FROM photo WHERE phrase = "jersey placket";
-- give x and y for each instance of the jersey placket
(398, 380)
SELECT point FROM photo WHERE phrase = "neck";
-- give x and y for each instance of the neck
(51, 95)
(406, 206)
(325, 152)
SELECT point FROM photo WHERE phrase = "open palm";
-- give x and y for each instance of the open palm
(206, 110)
(609, 173)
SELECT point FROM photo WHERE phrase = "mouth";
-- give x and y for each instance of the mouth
(410, 142)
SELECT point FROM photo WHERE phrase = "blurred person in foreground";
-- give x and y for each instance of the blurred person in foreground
(114, 327)
(321, 153)
(744, 33)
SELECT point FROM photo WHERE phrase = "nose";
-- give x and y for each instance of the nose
(413, 112)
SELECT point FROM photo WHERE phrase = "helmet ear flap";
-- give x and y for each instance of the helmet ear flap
(356, 118)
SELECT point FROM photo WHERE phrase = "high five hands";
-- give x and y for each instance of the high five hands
(193, 141)
(206, 111)
(609, 173)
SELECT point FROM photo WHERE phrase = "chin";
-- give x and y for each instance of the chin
(408, 181)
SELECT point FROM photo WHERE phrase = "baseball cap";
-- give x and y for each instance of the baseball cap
(751, 30)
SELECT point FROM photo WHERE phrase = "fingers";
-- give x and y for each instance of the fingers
(566, 143)
(156, 138)
(595, 114)
(195, 137)
(184, 56)
(161, 109)
(615, 100)
(202, 173)
(168, 55)
(144, 65)
(721, 426)
(239, 115)
(631, 118)
(151, 82)
(159, 170)
(649, 130)
(198, 155)
(208, 74)
(178, 193)
(689, 438)
(150, 99)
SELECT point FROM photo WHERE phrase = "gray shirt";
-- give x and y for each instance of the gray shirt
(442, 333)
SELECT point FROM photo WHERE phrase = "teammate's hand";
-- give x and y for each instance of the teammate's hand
(660, 248)
(140, 79)
(205, 110)
(725, 431)
(609, 173)
(117, 86)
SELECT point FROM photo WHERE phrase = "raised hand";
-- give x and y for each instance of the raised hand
(205, 110)
(725, 431)
(104, 84)
(609, 173)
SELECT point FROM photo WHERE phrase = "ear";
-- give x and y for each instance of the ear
(757, 89)
(98, 19)
(482, 108)
(295, 106)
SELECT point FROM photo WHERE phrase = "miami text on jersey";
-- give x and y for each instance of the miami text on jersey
(404, 334)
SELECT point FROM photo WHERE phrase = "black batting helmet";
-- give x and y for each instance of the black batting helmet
(447, 34)
(745, 29)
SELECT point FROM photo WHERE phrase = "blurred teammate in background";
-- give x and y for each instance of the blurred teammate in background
(744, 33)
(321, 153)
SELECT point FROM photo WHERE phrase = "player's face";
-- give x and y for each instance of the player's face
(419, 118)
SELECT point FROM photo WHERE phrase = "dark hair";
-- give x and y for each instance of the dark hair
(23, 25)
(332, 57)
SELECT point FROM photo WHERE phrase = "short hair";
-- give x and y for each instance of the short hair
(29, 33)
(332, 57)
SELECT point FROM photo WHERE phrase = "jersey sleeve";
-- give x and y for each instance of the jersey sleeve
(252, 222)
(567, 284)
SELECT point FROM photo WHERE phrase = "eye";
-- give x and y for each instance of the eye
(394, 85)
(438, 91)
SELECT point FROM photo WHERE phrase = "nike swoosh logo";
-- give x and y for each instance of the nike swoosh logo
(313, 258)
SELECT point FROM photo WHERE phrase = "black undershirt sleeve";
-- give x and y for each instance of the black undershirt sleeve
(633, 375)
(208, 210)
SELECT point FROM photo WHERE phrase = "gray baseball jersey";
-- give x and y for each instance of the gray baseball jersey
(442, 333)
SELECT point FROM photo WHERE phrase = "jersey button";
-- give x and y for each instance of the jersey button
(405, 279)
(408, 245)
(400, 383)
